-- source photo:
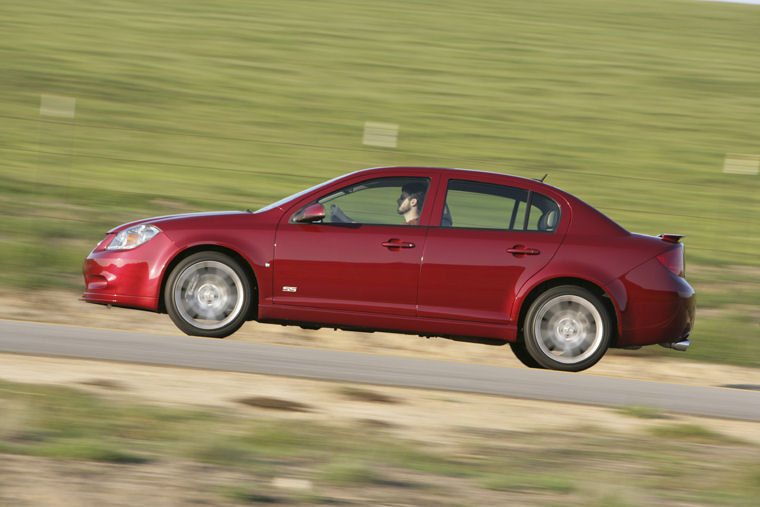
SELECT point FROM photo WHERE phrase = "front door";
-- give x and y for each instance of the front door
(363, 256)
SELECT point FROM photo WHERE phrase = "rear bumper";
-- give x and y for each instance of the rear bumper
(659, 308)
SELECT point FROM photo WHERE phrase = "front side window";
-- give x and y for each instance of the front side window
(382, 201)
(472, 204)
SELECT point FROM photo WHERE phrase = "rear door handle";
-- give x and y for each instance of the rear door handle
(397, 243)
(523, 250)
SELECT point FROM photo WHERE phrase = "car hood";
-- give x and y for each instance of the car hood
(178, 218)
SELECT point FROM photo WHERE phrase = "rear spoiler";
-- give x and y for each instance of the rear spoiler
(671, 238)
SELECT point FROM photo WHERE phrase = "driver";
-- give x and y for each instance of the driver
(409, 205)
(411, 201)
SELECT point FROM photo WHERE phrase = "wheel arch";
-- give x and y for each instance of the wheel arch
(242, 261)
(542, 287)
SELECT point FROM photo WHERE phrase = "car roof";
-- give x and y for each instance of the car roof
(586, 216)
(449, 172)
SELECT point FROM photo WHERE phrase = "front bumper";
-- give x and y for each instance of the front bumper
(130, 278)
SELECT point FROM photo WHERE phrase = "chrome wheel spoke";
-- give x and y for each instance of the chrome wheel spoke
(568, 328)
(209, 294)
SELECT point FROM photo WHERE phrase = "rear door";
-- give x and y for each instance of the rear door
(491, 239)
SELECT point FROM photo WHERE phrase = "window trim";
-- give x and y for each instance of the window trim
(429, 192)
(515, 209)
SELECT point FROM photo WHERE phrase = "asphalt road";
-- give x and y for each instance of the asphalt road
(67, 341)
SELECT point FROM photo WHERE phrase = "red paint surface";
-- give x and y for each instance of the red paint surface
(423, 279)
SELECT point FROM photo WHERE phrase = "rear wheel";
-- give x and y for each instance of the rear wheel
(567, 328)
(208, 294)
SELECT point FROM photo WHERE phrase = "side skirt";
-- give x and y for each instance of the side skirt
(314, 318)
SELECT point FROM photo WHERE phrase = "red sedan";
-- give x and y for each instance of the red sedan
(465, 255)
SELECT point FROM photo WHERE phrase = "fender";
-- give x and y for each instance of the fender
(256, 249)
(556, 274)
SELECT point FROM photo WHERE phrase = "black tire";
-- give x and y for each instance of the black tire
(208, 294)
(567, 328)
(521, 353)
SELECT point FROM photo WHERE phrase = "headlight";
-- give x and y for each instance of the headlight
(132, 237)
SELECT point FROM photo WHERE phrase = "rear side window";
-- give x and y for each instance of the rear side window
(472, 204)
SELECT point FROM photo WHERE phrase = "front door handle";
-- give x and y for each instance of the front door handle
(397, 243)
(523, 250)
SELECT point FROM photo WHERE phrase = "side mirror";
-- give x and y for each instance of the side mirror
(310, 214)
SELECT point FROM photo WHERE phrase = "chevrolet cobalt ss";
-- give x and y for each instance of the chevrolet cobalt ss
(466, 255)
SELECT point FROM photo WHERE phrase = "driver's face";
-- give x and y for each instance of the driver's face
(404, 203)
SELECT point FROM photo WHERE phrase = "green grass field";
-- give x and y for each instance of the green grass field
(118, 110)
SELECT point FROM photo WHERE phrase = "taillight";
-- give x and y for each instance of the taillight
(673, 260)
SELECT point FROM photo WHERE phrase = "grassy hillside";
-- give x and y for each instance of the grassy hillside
(116, 110)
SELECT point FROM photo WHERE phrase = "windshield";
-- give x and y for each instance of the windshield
(294, 196)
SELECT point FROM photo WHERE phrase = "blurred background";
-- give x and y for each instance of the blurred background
(648, 109)
(113, 110)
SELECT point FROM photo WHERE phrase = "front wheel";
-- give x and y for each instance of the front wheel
(521, 353)
(567, 328)
(208, 294)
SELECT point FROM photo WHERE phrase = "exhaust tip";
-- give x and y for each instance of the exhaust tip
(681, 346)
